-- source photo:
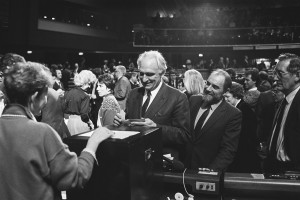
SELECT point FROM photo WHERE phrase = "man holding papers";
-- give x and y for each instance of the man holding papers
(157, 103)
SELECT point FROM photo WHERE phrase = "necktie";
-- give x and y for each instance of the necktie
(201, 120)
(145, 105)
(277, 128)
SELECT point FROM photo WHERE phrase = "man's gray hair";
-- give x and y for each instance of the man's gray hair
(121, 68)
(160, 60)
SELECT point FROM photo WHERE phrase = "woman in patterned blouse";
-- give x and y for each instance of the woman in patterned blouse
(110, 106)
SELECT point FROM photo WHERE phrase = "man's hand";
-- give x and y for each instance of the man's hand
(148, 122)
(118, 119)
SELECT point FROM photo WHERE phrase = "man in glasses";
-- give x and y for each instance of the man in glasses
(159, 104)
(267, 105)
(284, 148)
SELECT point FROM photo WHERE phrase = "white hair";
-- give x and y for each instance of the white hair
(84, 77)
(160, 60)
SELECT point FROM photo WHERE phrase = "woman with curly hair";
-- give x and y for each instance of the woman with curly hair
(110, 106)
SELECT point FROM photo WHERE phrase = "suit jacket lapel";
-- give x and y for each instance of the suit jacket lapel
(292, 114)
(137, 103)
(139, 100)
(239, 104)
(275, 117)
(157, 102)
(213, 118)
(194, 111)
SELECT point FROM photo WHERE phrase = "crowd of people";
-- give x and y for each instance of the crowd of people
(207, 15)
(200, 24)
(216, 36)
(222, 123)
(210, 24)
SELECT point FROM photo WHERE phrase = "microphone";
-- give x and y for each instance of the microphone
(175, 164)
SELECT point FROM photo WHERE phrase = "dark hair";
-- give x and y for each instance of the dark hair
(294, 64)
(263, 75)
(236, 90)
(231, 72)
(227, 80)
(24, 79)
(254, 75)
(108, 80)
(53, 69)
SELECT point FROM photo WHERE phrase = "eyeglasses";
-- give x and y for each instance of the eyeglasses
(280, 73)
(148, 74)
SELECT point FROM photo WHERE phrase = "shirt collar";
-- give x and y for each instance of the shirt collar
(17, 109)
(215, 106)
(155, 91)
(289, 98)
(255, 88)
(237, 102)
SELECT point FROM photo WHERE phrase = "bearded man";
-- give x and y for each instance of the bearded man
(215, 126)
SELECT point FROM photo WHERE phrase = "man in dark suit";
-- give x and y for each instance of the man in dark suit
(215, 125)
(252, 93)
(160, 105)
(52, 113)
(122, 87)
(267, 104)
(246, 159)
(134, 80)
(284, 148)
(57, 75)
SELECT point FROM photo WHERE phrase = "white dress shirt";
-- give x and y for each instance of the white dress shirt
(153, 94)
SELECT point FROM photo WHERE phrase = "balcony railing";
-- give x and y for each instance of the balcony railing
(223, 37)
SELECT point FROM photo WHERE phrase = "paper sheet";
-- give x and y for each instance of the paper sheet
(117, 135)
(258, 176)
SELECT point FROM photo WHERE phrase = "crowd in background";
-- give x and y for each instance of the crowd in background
(91, 97)
(229, 36)
(225, 16)
(220, 25)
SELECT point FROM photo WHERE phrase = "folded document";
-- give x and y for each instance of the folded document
(117, 135)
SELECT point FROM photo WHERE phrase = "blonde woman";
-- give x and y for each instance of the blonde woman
(193, 82)
(77, 103)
